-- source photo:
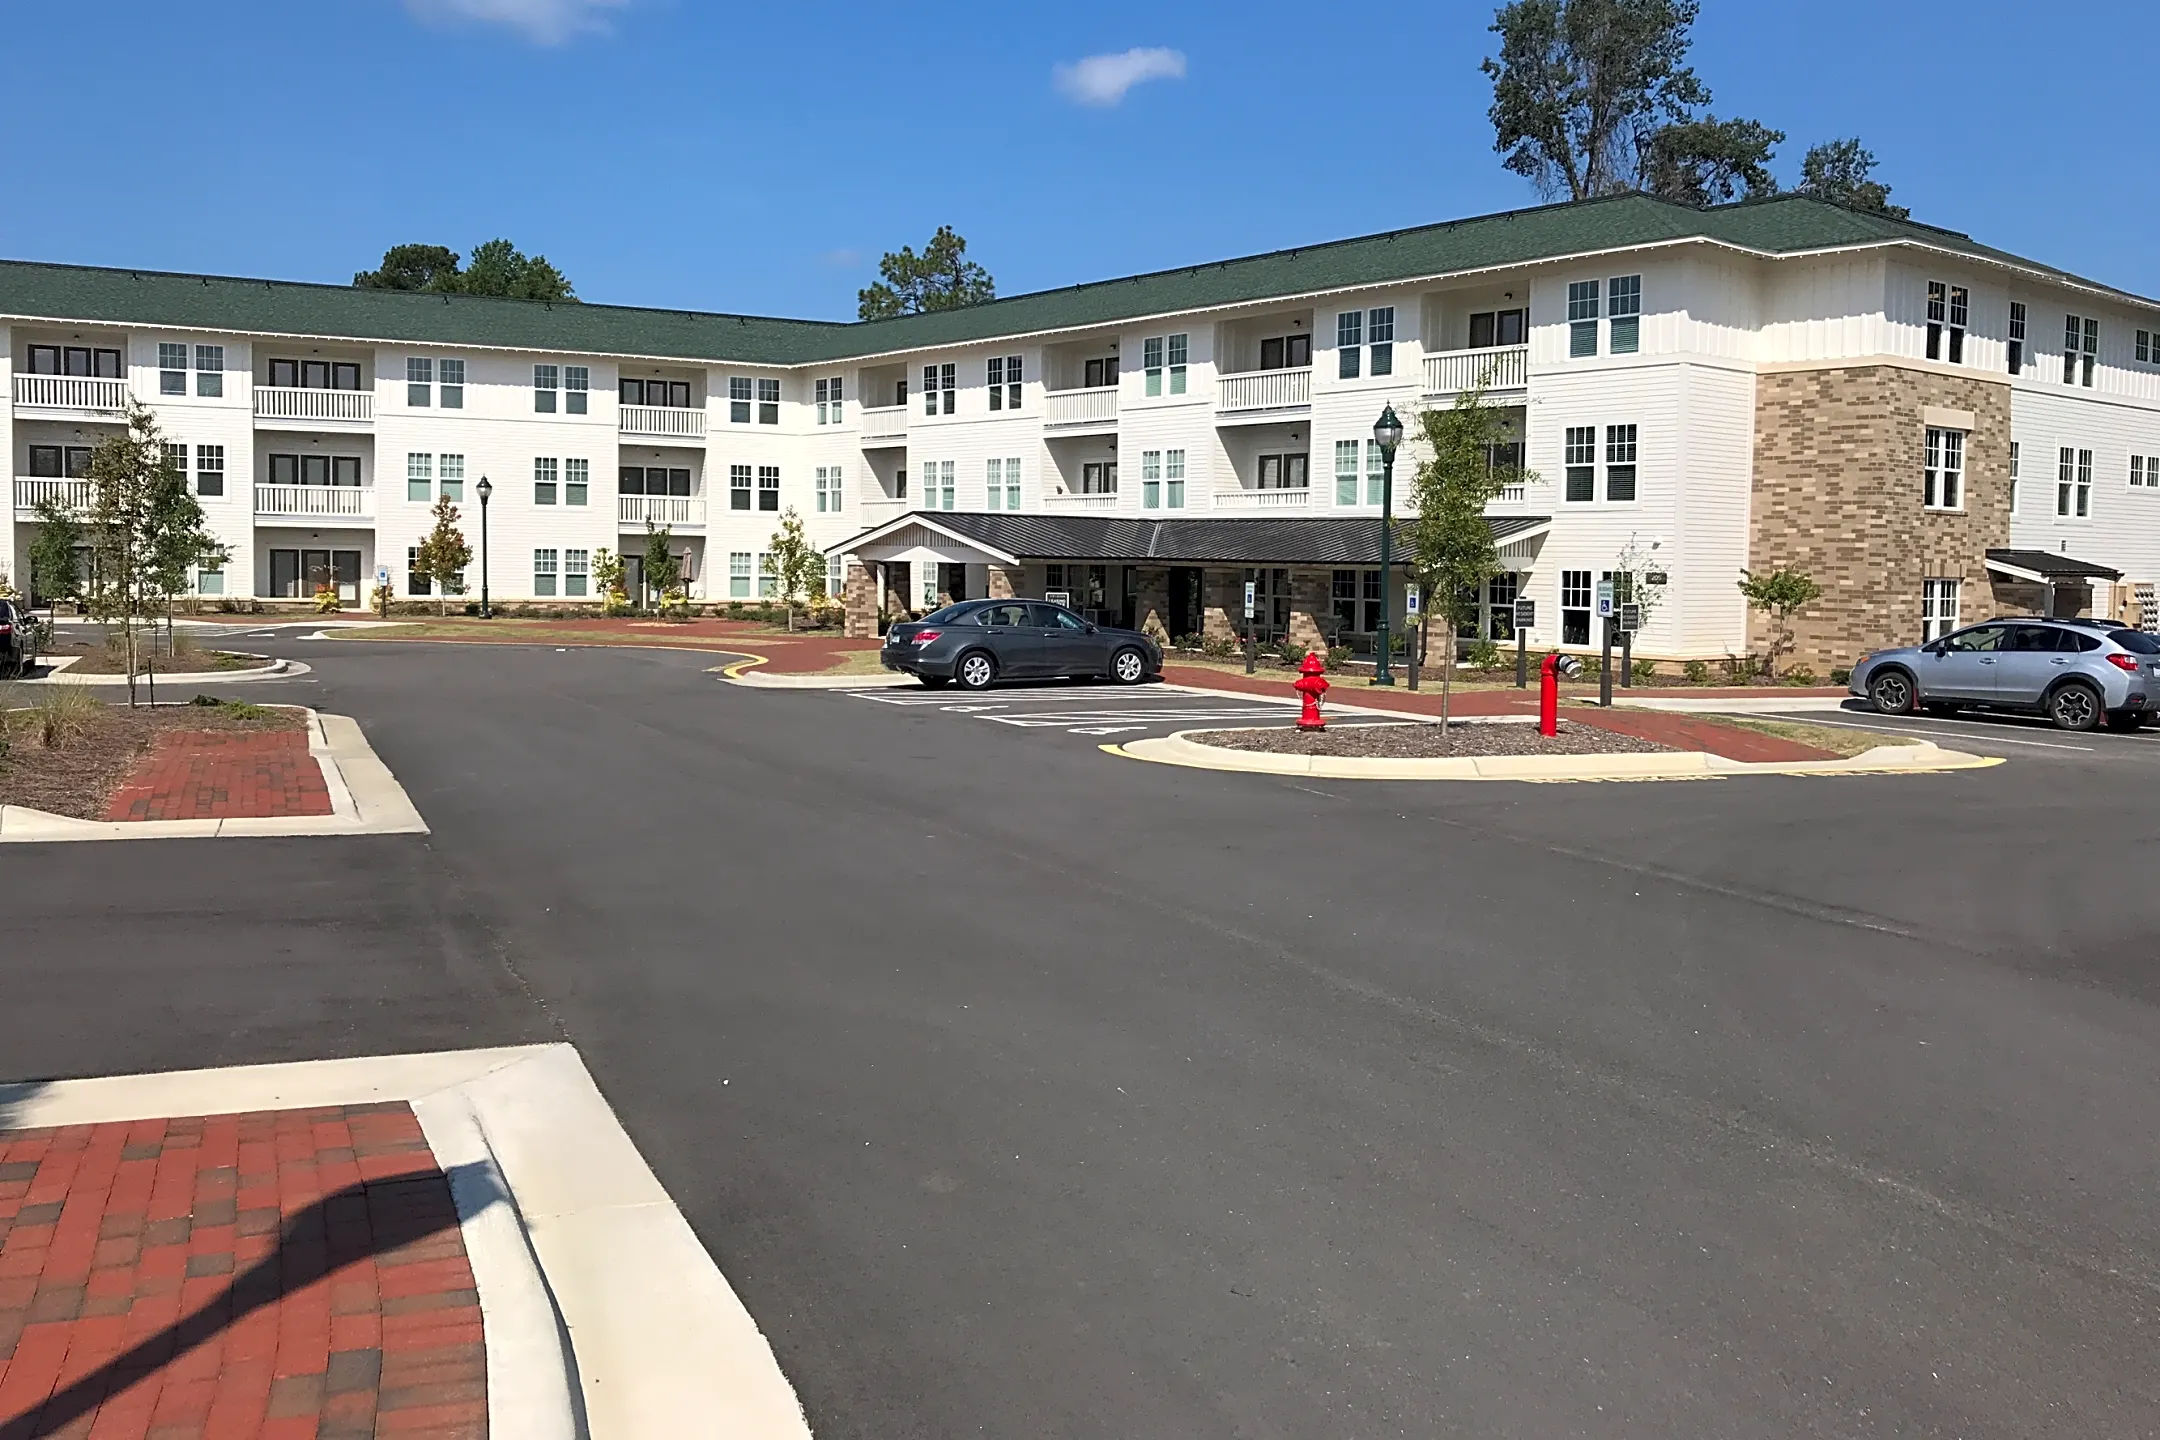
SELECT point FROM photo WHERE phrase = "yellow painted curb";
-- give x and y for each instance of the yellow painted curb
(1921, 759)
(735, 671)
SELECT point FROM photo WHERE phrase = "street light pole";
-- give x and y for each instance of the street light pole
(486, 612)
(1387, 434)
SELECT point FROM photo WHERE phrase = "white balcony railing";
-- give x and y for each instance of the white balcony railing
(285, 402)
(315, 502)
(1263, 499)
(668, 510)
(673, 422)
(1453, 371)
(1080, 407)
(70, 392)
(1264, 390)
(884, 424)
(880, 511)
(31, 491)
(1080, 502)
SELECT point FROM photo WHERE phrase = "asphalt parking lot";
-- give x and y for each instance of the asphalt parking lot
(1097, 713)
(2018, 736)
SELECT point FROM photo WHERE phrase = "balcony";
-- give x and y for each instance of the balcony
(884, 426)
(1504, 371)
(663, 422)
(1262, 395)
(879, 510)
(283, 407)
(71, 396)
(31, 491)
(673, 512)
(315, 502)
(1074, 501)
(1080, 410)
(1263, 499)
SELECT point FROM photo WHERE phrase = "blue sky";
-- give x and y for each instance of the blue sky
(759, 158)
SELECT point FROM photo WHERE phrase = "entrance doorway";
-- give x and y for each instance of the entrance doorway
(1271, 602)
(298, 574)
(1187, 602)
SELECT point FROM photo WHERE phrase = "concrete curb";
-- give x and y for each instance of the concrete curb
(1176, 749)
(742, 672)
(283, 669)
(365, 799)
(592, 1285)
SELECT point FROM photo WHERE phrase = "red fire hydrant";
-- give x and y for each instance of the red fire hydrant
(1548, 706)
(1312, 684)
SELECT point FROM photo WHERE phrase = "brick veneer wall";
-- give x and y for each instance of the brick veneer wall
(859, 603)
(1839, 455)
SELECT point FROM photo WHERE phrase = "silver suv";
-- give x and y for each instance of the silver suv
(2079, 673)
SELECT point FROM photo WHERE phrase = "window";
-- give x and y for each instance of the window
(1012, 483)
(453, 384)
(546, 380)
(1491, 328)
(768, 487)
(938, 486)
(828, 401)
(1938, 608)
(1620, 462)
(1380, 334)
(738, 392)
(1283, 472)
(1356, 596)
(543, 572)
(2017, 338)
(544, 481)
(1098, 477)
(828, 488)
(1151, 479)
(1151, 363)
(1173, 479)
(1582, 308)
(768, 581)
(1944, 485)
(209, 469)
(1286, 352)
(1004, 382)
(937, 380)
(2073, 483)
(738, 575)
(576, 384)
(419, 381)
(669, 393)
(1177, 364)
(577, 571)
(419, 477)
(835, 577)
(210, 370)
(1581, 485)
(738, 479)
(2144, 472)
(768, 402)
(176, 457)
(2081, 342)
(1946, 316)
(1575, 607)
(172, 368)
(1099, 372)
(661, 480)
(209, 581)
(1623, 297)
(2147, 352)
(451, 470)
(576, 481)
(1349, 343)
(2013, 477)
(1500, 593)
(1346, 473)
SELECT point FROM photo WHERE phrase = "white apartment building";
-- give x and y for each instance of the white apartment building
(1935, 430)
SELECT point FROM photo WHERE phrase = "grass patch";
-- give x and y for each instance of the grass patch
(1835, 739)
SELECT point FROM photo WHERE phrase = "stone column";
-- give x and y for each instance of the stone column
(1223, 605)
(858, 603)
(1312, 597)
(1006, 582)
(1151, 605)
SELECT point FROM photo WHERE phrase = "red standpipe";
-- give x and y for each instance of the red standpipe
(1548, 700)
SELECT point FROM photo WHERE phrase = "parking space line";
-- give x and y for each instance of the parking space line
(1810, 718)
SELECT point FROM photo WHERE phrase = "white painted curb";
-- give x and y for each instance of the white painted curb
(280, 669)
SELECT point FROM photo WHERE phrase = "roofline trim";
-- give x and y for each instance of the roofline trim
(917, 517)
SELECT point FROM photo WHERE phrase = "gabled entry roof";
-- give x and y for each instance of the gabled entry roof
(2042, 566)
(1332, 540)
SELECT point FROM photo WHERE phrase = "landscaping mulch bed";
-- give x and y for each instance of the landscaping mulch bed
(78, 777)
(1427, 742)
(107, 660)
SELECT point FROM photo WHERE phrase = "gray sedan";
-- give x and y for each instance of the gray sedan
(979, 642)
(2078, 673)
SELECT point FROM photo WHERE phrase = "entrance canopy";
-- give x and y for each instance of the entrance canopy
(2046, 567)
(1004, 538)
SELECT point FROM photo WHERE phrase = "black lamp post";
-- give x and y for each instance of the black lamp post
(485, 489)
(1387, 434)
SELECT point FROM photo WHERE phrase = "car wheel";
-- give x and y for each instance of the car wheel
(1128, 666)
(2125, 720)
(1892, 693)
(934, 682)
(975, 671)
(2074, 707)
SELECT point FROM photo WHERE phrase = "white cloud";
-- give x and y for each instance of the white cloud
(1104, 79)
(841, 259)
(545, 22)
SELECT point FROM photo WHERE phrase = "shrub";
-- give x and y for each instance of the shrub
(1482, 655)
(62, 714)
(1290, 650)
(1645, 672)
(1840, 676)
(1797, 675)
(1696, 672)
(1338, 657)
(1592, 666)
(1221, 647)
(1186, 642)
(1739, 669)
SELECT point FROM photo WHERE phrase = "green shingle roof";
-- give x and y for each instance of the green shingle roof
(1783, 225)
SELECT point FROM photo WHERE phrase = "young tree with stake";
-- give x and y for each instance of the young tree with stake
(443, 555)
(663, 567)
(798, 566)
(1780, 595)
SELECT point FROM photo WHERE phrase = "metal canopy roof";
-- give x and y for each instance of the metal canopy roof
(2046, 566)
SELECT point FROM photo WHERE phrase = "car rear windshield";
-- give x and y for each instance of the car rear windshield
(2137, 642)
(952, 614)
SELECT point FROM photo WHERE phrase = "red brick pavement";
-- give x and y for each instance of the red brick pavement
(222, 775)
(292, 1273)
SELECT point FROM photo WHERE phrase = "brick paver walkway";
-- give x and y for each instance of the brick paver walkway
(222, 775)
(285, 1274)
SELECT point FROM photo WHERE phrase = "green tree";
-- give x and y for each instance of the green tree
(1710, 161)
(54, 569)
(1838, 170)
(1448, 542)
(178, 542)
(129, 473)
(443, 555)
(663, 567)
(497, 268)
(941, 278)
(798, 566)
(1779, 595)
(607, 571)
(412, 267)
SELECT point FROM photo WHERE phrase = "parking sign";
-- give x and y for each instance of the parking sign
(1248, 599)
(1631, 618)
(1526, 614)
(1604, 599)
(1410, 601)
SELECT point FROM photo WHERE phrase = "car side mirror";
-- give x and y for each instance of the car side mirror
(1092, 627)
